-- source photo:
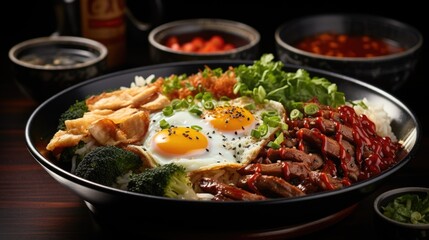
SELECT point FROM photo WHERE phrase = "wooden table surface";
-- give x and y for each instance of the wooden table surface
(34, 206)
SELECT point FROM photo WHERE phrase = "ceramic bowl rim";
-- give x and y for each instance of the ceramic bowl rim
(52, 40)
(399, 191)
(212, 24)
(356, 17)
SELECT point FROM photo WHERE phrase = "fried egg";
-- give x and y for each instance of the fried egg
(218, 137)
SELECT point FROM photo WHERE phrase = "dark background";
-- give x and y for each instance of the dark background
(23, 20)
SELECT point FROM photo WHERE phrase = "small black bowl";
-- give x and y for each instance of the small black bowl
(245, 39)
(388, 72)
(391, 229)
(44, 66)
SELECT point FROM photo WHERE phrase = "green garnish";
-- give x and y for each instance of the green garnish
(311, 109)
(209, 105)
(408, 208)
(163, 124)
(168, 111)
(273, 83)
(295, 114)
(194, 109)
(173, 83)
(277, 142)
(196, 127)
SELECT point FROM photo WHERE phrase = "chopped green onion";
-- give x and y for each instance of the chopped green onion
(199, 96)
(168, 111)
(259, 94)
(259, 132)
(196, 127)
(237, 87)
(175, 103)
(272, 121)
(250, 106)
(207, 96)
(255, 133)
(164, 124)
(296, 114)
(269, 113)
(311, 109)
(276, 144)
(263, 129)
(224, 98)
(189, 99)
(180, 104)
(273, 145)
(361, 104)
(209, 105)
(195, 110)
(284, 126)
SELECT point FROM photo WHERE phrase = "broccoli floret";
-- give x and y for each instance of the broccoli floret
(69, 152)
(104, 164)
(76, 110)
(169, 180)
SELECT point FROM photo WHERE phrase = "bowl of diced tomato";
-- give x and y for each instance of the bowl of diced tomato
(203, 39)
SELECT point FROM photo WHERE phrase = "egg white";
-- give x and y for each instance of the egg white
(235, 148)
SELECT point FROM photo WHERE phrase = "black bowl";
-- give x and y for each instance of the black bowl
(388, 72)
(245, 38)
(388, 228)
(112, 204)
(46, 65)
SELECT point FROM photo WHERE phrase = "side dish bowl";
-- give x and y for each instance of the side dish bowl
(388, 72)
(46, 65)
(244, 38)
(389, 227)
(108, 203)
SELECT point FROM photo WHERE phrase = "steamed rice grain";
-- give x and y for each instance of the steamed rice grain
(377, 114)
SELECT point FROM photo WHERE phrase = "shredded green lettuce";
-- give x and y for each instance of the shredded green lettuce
(289, 88)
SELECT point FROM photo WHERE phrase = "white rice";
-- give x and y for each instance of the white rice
(140, 81)
(377, 114)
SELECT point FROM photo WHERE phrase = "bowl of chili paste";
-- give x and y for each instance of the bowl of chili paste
(374, 49)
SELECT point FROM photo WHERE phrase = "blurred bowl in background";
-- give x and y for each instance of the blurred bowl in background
(389, 227)
(203, 39)
(397, 43)
(45, 66)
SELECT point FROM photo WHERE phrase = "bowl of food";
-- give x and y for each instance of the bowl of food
(403, 213)
(203, 39)
(44, 66)
(375, 49)
(238, 148)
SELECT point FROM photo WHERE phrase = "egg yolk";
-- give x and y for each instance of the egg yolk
(230, 118)
(180, 141)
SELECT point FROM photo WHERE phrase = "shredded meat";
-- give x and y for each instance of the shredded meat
(225, 191)
(270, 186)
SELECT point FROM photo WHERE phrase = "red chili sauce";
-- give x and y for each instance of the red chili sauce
(343, 45)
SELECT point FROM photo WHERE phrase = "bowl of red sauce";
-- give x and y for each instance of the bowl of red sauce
(203, 39)
(374, 49)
